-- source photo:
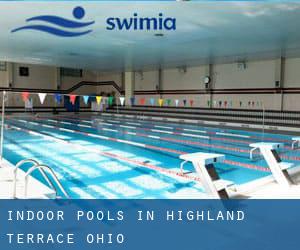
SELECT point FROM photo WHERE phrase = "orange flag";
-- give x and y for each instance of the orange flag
(25, 96)
(142, 101)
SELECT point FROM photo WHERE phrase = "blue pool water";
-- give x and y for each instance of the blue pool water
(109, 157)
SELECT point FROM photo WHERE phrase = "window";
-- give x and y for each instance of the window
(2, 66)
(23, 71)
(71, 72)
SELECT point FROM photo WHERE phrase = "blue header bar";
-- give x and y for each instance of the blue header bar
(149, 224)
(130, 1)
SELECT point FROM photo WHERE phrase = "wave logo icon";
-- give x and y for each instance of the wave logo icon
(62, 27)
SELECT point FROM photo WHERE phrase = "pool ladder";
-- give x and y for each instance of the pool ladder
(42, 168)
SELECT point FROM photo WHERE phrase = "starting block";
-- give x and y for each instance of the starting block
(296, 141)
(277, 167)
(210, 180)
(252, 150)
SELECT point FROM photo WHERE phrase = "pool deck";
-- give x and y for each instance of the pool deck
(267, 188)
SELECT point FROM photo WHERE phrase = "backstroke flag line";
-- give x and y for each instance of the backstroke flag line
(142, 101)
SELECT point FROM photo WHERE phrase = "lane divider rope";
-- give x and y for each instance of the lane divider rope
(199, 131)
(110, 155)
(167, 132)
(163, 122)
(245, 165)
(239, 150)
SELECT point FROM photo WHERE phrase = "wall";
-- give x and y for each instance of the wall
(256, 75)
(67, 82)
(42, 77)
(108, 76)
(292, 73)
(176, 79)
(48, 77)
(146, 80)
(4, 79)
(260, 76)
(231, 84)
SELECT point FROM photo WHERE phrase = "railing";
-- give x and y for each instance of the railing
(41, 168)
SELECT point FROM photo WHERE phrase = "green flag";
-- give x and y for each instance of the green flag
(110, 100)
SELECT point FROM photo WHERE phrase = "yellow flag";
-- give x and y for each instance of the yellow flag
(98, 99)
(160, 102)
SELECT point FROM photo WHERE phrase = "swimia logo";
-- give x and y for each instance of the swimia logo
(60, 26)
(141, 23)
(65, 27)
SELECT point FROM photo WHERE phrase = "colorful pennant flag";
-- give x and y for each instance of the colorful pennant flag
(241, 103)
(176, 102)
(98, 99)
(86, 99)
(132, 101)
(184, 102)
(142, 101)
(122, 100)
(225, 103)
(42, 97)
(191, 103)
(169, 102)
(110, 100)
(25, 96)
(57, 98)
(152, 101)
(160, 101)
(208, 103)
(72, 99)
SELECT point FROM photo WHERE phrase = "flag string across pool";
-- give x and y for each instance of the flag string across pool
(160, 102)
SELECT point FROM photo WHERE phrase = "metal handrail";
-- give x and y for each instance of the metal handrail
(53, 175)
(43, 173)
(18, 165)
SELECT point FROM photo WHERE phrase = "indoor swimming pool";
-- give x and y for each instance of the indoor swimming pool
(99, 156)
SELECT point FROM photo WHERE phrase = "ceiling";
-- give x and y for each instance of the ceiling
(207, 32)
